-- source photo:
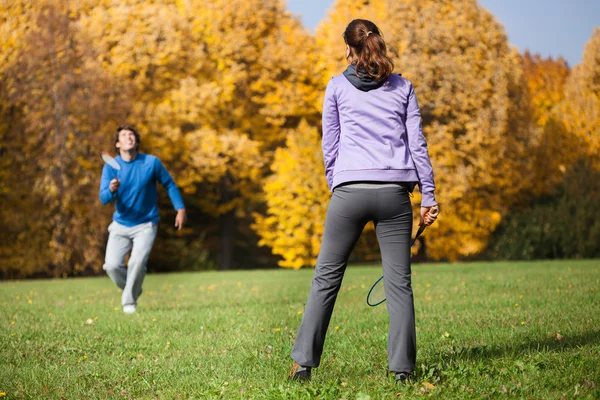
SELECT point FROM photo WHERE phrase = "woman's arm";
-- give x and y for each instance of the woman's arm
(331, 132)
(418, 150)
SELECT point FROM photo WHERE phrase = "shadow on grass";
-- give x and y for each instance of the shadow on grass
(545, 345)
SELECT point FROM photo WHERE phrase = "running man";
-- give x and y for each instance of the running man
(134, 226)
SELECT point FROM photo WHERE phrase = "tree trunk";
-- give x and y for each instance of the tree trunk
(227, 228)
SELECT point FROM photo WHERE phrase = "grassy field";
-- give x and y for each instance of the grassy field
(484, 330)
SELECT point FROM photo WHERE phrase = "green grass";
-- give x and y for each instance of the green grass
(484, 330)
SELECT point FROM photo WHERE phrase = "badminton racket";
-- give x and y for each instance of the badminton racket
(376, 294)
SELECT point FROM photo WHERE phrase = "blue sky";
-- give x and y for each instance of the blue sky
(548, 27)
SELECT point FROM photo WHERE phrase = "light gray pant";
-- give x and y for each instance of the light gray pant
(349, 210)
(121, 239)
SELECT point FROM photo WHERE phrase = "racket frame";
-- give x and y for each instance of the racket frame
(103, 156)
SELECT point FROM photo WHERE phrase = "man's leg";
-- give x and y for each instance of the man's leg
(143, 238)
(117, 248)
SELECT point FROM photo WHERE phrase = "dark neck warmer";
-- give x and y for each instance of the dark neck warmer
(363, 82)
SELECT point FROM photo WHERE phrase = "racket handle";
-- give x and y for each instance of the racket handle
(421, 229)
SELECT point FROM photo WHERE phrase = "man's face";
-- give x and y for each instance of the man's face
(126, 140)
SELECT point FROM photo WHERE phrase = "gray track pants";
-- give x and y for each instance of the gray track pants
(121, 239)
(349, 210)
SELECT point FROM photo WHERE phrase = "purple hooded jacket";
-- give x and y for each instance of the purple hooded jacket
(375, 136)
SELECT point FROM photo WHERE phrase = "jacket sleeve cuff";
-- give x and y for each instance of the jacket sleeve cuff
(428, 199)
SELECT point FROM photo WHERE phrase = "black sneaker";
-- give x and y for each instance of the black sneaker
(403, 377)
(299, 373)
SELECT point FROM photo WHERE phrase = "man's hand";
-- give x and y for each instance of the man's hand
(114, 185)
(180, 219)
(429, 215)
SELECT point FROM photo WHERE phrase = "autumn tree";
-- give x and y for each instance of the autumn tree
(60, 100)
(565, 108)
(236, 75)
(580, 111)
(565, 188)
(219, 89)
(554, 148)
(297, 197)
(546, 79)
(468, 81)
(243, 70)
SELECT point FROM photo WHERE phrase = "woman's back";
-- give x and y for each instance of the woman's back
(373, 133)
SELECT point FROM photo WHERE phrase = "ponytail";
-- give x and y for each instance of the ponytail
(368, 49)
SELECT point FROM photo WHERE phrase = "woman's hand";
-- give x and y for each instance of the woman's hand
(429, 215)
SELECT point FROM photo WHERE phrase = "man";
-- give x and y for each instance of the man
(134, 226)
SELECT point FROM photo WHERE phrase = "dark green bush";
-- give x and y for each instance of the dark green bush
(565, 224)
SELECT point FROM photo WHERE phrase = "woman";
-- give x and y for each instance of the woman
(375, 154)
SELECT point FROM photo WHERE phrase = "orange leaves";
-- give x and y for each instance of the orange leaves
(567, 110)
(581, 110)
(427, 387)
(545, 80)
(553, 145)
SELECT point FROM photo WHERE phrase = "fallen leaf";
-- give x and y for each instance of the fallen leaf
(558, 337)
(589, 384)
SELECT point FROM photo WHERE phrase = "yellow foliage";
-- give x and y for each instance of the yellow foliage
(545, 81)
(554, 147)
(230, 162)
(59, 99)
(580, 112)
(242, 67)
(218, 86)
(297, 197)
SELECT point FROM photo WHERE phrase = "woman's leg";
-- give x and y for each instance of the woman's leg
(347, 215)
(393, 226)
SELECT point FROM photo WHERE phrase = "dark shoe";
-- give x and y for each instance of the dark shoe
(299, 373)
(403, 377)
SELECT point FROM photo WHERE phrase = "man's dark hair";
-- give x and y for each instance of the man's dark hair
(127, 128)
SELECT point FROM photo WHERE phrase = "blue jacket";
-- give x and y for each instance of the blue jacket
(136, 198)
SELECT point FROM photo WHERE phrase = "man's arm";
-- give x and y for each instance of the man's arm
(168, 183)
(106, 194)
